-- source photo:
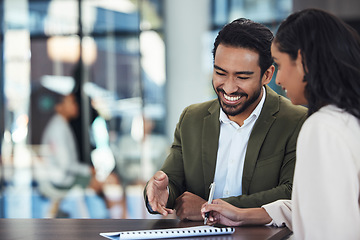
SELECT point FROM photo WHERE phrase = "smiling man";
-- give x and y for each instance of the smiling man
(245, 141)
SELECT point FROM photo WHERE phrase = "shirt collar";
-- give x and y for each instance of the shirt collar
(255, 114)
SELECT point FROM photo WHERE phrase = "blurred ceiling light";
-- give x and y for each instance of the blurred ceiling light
(62, 17)
(63, 85)
(64, 49)
(67, 49)
(153, 56)
(89, 50)
(95, 91)
(16, 68)
(20, 130)
(137, 128)
(124, 6)
(17, 45)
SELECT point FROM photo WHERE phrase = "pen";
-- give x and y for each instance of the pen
(211, 195)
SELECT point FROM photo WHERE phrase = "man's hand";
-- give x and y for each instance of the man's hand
(188, 206)
(158, 194)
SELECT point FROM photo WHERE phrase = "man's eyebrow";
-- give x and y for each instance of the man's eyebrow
(245, 72)
(240, 72)
(219, 68)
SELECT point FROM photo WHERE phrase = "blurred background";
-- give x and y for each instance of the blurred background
(133, 66)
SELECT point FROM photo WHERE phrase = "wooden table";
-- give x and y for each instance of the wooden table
(71, 229)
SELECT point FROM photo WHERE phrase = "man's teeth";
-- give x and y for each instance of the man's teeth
(231, 98)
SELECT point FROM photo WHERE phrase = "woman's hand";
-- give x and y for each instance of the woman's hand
(224, 213)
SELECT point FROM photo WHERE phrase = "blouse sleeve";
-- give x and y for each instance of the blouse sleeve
(280, 212)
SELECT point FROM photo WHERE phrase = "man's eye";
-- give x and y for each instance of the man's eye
(221, 74)
(243, 78)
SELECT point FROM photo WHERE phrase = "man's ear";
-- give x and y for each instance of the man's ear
(268, 74)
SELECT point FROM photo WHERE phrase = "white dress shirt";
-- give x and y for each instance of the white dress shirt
(233, 141)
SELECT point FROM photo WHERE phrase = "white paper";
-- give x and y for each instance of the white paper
(169, 233)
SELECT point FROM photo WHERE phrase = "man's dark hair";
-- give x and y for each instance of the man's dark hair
(244, 33)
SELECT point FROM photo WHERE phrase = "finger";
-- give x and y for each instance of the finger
(204, 205)
(217, 201)
(207, 208)
(162, 210)
(170, 211)
(204, 208)
(211, 221)
(212, 218)
(155, 204)
(159, 176)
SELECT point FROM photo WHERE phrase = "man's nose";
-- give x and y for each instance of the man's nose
(230, 86)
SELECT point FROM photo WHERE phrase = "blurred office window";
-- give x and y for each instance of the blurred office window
(264, 11)
(267, 12)
(112, 54)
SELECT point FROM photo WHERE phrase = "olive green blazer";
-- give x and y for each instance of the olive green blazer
(270, 156)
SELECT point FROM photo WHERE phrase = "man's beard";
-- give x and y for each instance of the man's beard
(234, 110)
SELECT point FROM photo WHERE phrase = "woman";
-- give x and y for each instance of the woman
(318, 58)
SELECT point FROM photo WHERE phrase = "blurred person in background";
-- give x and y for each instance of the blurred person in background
(63, 160)
(62, 163)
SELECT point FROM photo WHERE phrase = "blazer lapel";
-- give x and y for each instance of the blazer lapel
(210, 140)
(258, 134)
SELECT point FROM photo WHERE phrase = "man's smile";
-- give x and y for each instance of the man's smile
(232, 99)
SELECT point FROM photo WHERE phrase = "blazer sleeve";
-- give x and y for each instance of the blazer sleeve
(173, 165)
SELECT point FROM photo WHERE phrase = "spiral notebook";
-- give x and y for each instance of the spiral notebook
(170, 233)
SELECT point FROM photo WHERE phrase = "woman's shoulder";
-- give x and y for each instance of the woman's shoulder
(334, 119)
(331, 114)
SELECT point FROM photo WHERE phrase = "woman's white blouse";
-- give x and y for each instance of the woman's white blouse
(326, 190)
